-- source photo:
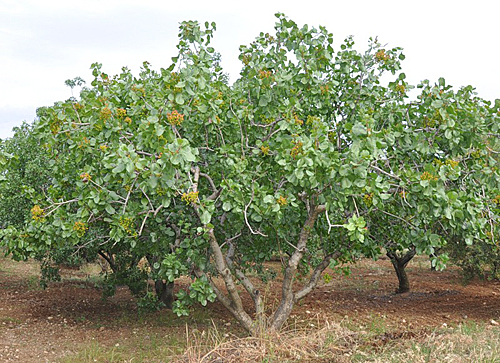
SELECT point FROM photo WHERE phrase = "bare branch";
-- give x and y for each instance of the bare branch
(246, 219)
(58, 205)
(216, 192)
(384, 172)
(330, 226)
(128, 196)
(398, 217)
(313, 280)
(241, 129)
(144, 222)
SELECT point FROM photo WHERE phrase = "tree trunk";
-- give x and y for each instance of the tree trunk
(399, 263)
(165, 292)
(431, 256)
(288, 298)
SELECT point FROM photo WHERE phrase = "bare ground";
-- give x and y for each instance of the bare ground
(56, 324)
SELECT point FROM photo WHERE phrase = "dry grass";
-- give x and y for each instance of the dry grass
(335, 343)
(293, 345)
(458, 344)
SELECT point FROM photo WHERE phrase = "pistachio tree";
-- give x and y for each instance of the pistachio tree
(452, 149)
(307, 156)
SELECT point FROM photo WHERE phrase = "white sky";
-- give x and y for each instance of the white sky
(45, 42)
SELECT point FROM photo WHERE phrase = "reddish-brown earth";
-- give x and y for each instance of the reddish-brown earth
(48, 325)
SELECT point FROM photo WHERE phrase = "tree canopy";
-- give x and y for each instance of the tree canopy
(308, 156)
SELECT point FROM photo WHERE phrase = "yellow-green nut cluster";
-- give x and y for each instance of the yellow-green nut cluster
(246, 59)
(55, 126)
(37, 213)
(400, 88)
(175, 118)
(368, 199)
(105, 113)
(161, 191)
(332, 137)
(475, 154)
(496, 200)
(296, 149)
(85, 177)
(282, 200)
(191, 197)
(312, 120)
(120, 112)
(381, 56)
(297, 120)
(428, 176)
(265, 74)
(429, 122)
(127, 224)
(138, 89)
(80, 228)
(327, 278)
(452, 163)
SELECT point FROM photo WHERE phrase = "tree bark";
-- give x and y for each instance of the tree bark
(165, 292)
(399, 263)
(232, 301)
(164, 289)
(288, 298)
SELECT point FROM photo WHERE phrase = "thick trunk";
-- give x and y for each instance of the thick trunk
(404, 283)
(288, 298)
(232, 301)
(399, 263)
(165, 292)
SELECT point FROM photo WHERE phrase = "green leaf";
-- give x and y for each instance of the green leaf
(263, 101)
(437, 103)
(110, 209)
(346, 183)
(179, 99)
(159, 130)
(299, 173)
(205, 217)
(358, 129)
(153, 181)
(268, 199)
(119, 168)
(226, 206)
(187, 154)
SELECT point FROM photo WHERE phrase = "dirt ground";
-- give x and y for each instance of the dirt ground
(51, 325)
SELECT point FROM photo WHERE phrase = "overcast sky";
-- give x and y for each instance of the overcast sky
(43, 43)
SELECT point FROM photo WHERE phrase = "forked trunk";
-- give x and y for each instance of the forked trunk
(399, 263)
(230, 274)
(288, 297)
